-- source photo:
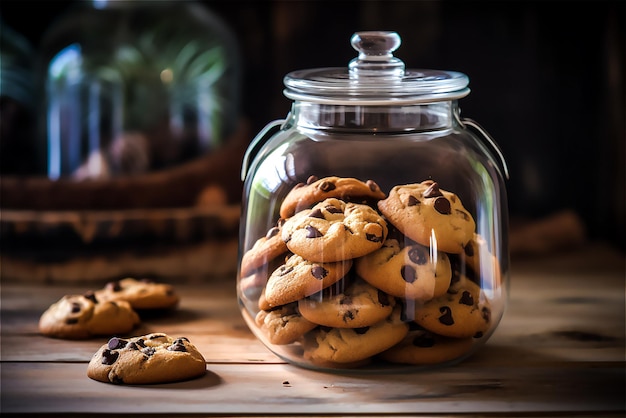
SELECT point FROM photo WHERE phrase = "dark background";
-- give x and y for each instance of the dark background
(547, 80)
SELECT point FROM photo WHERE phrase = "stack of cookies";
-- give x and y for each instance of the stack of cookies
(115, 310)
(348, 275)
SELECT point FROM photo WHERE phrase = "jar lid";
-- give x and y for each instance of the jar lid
(375, 77)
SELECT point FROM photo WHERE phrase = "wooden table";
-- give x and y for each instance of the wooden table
(559, 351)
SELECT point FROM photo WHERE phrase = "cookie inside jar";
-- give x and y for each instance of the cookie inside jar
(374, 220)
(356, 277)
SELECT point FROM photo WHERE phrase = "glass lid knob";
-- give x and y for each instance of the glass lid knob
(376, 58)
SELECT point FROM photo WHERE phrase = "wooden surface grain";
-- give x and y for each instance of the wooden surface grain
(559, 351)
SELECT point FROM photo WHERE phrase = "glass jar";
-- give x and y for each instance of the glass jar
(135, 86)
(374, 223)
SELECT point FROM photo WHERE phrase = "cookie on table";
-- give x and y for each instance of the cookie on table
(348, 189)
(350, 345)
(144, 294)
(264, 250)
(334, 230)
(359, 305)
(410, 271)
(421, 347)
(463, 312)
(283, 325)
(429, 216)
(298, 278)
(148, 359)
(78, 317)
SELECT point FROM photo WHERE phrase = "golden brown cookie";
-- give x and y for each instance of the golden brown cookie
(334, 230)
(429, 215)
(148, 359)
(359, 305)
(142, 294)
(83, 316)
(264, 250)
(421, 347)
(483, 265)
(463, 312)
(283, 325)
(298, 278)
(348, 189)
(411, 272)
(349, 345)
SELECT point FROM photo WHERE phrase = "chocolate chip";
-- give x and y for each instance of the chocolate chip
(140, 342)
(383, 298)
(469, 249)
(418, 256)
(91, 296)
(177, 345)
(76, 307)
(116, 343)
(479, 334)
(372, 185)
(109, 357)
(148, 351)
(373, 238)
(466, 298)
(71, 321)
(424, 341)
(283, 270)
(486, 314)
(117, 380)
(361, 330)
(132, 346)
(319, 272)
(333, 209)
(442, 205)
(446, 317)
(408, 273)
(312, 232)
(316, 213)
(327, 186)
(346, 300)
(432, 191)
(348, 316)
(155, 336)
(463, 214)
(413, 201)
(311, 179)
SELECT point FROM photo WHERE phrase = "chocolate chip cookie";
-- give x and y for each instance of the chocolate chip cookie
(144, 294)
(463, 312)
(148, 359)
(264, 250)
(334, 230)
(84, 316)
(421, 347)
(429, 215)
(283, 325)
(298, 278)
(412, 271)
(349, 345)
(359, 305)
(348, 189)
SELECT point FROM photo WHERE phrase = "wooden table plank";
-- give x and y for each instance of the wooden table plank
(271, 389)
